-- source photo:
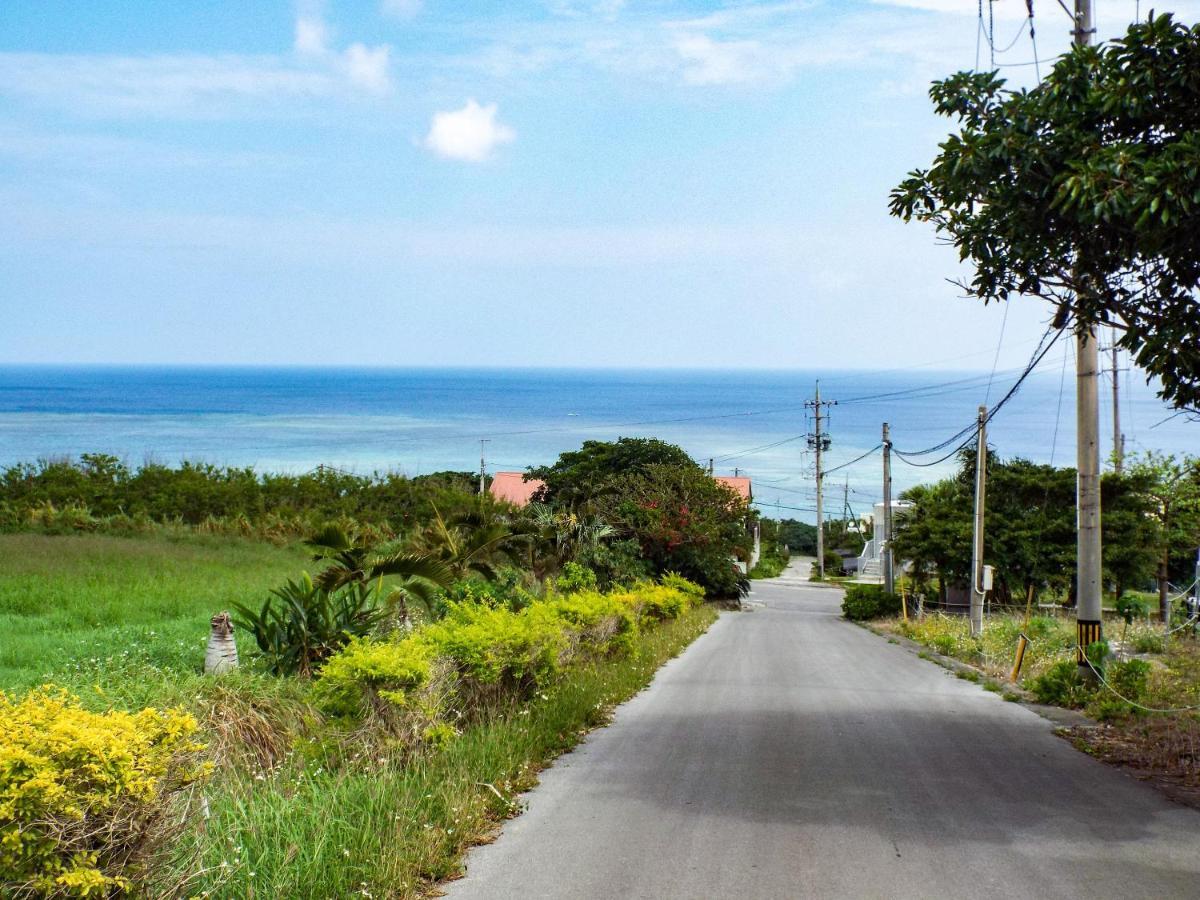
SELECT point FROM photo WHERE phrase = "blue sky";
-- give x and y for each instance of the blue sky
(423, 182)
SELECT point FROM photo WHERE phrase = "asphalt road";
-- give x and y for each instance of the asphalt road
(790, 754)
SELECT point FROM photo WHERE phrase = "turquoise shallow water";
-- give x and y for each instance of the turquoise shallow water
(424, 420)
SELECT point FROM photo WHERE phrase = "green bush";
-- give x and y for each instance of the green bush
(601, 622)
(497, 646)
(1063, 685)
(574, 578)
(370, 675)
(300, 625)
(869, 601)
(1129, 680)
(1147, 642)
(1130, 607)
(479, 652)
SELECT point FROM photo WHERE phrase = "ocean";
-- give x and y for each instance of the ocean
(418, 421)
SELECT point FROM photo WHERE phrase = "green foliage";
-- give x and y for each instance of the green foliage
(1063, 685)
(1130, 608)
(799, 537)
(85, 797)
(574, 578)
(1129, 681)
(583, 474)
(685, 522)
(99, 492)
(869, 601)
(373, 676)
(1031, 528)
(390, 828)
(1084, 190)
(300, 624)
(506, 590)
(768, 566)
(490, 646)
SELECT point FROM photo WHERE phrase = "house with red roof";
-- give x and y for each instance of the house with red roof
(511, 487)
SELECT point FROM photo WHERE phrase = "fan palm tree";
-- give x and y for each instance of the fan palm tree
(472, 544)
(352, 561)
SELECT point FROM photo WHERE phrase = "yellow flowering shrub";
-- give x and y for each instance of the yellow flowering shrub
(83, 795)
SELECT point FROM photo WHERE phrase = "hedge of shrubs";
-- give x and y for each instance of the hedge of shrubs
(478, 655)
(869, 601)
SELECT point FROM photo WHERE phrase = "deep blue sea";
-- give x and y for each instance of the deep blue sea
(424, 420)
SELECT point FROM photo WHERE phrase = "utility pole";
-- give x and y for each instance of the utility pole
(818, 442)
(1118, 438)
(1089, 626)
(482, 468)
(977, 544)
(885, 545)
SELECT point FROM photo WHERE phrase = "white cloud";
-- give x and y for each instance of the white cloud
(400, 9)
(721, 62)
(367, 67)
(312, 36)
(469, 134)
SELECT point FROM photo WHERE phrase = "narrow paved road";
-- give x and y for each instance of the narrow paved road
(788, 753)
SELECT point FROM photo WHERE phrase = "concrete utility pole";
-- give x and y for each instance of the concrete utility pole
(1118, 438)
(1089, 626)
(482, 468)
(977, 544)
(820, 444)
(885, 544)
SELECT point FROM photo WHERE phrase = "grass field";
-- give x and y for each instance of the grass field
(83, 610)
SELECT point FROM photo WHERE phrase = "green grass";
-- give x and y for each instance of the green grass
(384, 828)
(91, 609)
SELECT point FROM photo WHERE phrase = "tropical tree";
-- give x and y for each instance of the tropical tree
(581, 475)
(1171, 488)
(351, 561)
(561, 536)
(684, 521)
(474, 543)
(1084, 191)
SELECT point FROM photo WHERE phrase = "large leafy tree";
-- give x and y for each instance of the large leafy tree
(1084, 191)
(684, 521)
(580, 475)
(1171, 490)
(1029, 529)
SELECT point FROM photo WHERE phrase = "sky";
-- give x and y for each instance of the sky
(526, 183)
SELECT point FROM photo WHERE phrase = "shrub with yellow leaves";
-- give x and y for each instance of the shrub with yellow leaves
(85, 797)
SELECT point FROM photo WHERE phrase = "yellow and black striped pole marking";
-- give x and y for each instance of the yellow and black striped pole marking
(1087, 632)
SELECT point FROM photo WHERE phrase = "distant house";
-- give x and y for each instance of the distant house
(511, 487)
(740, 484)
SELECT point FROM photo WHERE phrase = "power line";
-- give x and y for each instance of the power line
(853, 461)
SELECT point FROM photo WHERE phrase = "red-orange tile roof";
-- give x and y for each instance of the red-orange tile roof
(739, 483)
(512, 488)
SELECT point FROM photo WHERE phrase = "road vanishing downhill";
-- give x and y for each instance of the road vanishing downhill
(789, 753)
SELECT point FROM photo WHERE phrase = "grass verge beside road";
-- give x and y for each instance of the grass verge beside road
(373, 827)
(1152, 673)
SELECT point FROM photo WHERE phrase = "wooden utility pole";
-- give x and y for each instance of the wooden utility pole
(819, 443)
(977, 598)
(1089, 626)
(885, 543)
